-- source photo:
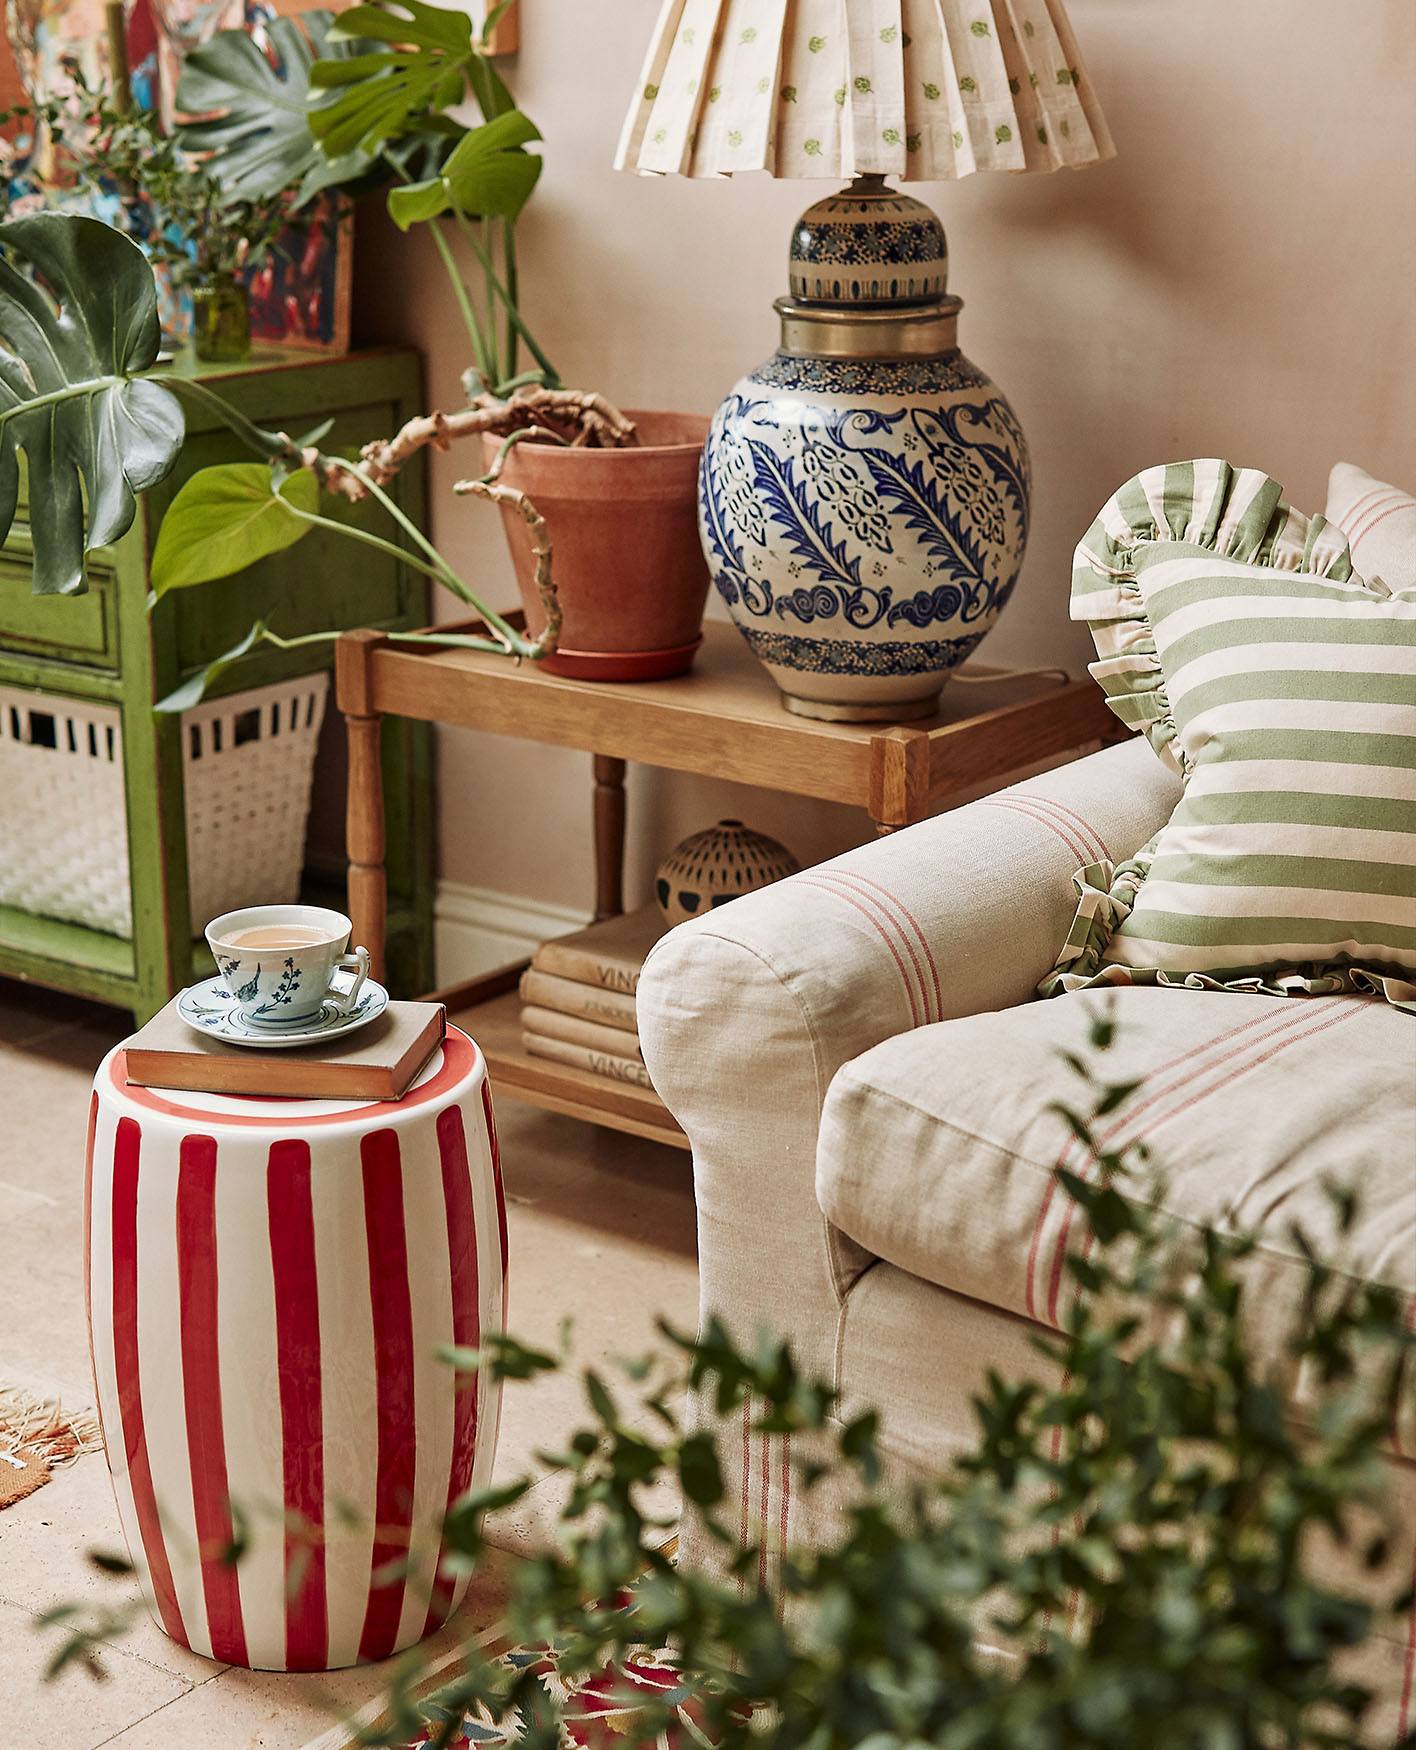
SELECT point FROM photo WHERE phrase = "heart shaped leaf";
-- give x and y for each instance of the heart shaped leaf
(255, 116)
(78, 321)
(227, 517)
(488, 174)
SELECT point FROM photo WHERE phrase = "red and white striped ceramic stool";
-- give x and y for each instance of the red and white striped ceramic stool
(269, 1282)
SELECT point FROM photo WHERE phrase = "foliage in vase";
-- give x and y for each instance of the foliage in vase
(168, 200)
(1124, 1558)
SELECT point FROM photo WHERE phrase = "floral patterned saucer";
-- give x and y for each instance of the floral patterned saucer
(211, 1009)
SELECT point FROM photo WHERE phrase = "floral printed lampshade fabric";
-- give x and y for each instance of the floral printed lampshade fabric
(918, 89)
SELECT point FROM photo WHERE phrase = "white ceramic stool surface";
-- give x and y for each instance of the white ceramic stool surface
(269, 1282)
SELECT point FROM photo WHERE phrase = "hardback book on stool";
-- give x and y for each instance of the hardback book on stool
(379, 1062)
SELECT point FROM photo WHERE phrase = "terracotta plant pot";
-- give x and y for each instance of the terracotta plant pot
(626, 556)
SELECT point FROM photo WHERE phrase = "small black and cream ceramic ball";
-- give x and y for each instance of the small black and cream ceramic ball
(721, 863)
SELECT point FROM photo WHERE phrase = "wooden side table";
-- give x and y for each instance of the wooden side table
(722, 720)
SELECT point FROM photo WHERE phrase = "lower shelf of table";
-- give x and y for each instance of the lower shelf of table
(495, 1024)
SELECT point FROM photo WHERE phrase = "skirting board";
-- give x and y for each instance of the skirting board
(476, 929)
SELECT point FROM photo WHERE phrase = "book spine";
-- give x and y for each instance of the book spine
(607, 1008)
(600, 1063)
(213, 1075)
(586, 967)
(548, 1024)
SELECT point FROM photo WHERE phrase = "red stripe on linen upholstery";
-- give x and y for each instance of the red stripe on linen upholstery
(784, 1528)
(1154, 1092)
(1381, 506)
(746, 1483)
(127, 1146)
(297, 1340)
(1086, 831)
(1349, 517)
(764, 1515)
(1408, 1670)
(1309, 1025)
(392, 1304)
(1402, 504)
(859, 881)
(466, 1328)
(1059, 829)
(885, 931)
(201, 1395)
(879, 908)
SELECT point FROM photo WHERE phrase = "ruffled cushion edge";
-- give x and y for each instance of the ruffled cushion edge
(1236, 513)
(1106, 894)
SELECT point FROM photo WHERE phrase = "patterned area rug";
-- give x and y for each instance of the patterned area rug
(597, 1709)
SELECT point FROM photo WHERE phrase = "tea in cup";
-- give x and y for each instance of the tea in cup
(278, 962)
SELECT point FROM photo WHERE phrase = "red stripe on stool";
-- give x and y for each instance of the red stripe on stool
(392, 1305)
(466, 1326)
(297, 1343)
(127, 1146)
(489, 1117)
(201, 1393)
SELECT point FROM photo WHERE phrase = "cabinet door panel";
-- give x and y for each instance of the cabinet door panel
(67, 628)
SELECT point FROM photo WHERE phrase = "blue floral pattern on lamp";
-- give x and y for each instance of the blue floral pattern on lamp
(865, 523)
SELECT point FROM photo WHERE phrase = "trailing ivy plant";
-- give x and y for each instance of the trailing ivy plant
(1137, 1537)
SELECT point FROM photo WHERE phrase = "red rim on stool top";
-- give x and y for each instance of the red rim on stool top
(268, 1284)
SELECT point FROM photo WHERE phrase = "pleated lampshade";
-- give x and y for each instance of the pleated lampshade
(922, 90)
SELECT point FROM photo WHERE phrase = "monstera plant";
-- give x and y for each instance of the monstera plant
(253, 129)
(79, 336)
(79, 329)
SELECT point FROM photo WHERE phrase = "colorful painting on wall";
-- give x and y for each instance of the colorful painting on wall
(300, 293)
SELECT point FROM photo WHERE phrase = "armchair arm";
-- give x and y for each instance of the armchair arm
(746, 1014)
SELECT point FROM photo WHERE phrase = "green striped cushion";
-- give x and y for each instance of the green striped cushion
(1233, 631)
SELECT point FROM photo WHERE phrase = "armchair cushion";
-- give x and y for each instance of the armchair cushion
(938, 1148)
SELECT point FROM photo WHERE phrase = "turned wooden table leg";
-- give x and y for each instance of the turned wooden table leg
(364, 811)
(609, 837)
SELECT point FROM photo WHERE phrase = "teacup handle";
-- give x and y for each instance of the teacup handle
(357, 961)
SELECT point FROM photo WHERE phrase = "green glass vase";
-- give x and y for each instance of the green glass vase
(221, 322)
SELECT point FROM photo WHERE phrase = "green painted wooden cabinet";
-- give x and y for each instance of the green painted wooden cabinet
(106, 647)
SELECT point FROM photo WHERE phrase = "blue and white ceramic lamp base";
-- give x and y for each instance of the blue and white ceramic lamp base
(865, 523)
(864, 494)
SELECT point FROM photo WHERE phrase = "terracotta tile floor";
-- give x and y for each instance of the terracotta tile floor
(601, 1230)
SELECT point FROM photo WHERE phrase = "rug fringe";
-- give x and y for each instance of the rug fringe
(43, 1426)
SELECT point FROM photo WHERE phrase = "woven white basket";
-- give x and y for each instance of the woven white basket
(247, 760)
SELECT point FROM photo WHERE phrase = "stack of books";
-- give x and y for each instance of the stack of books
(577, 996)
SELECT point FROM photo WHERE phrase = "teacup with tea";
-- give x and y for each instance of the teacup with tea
(278, 962)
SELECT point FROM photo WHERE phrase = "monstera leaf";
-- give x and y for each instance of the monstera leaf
(488, 174)
(426, 61)
(256, 116)
(78, 322)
